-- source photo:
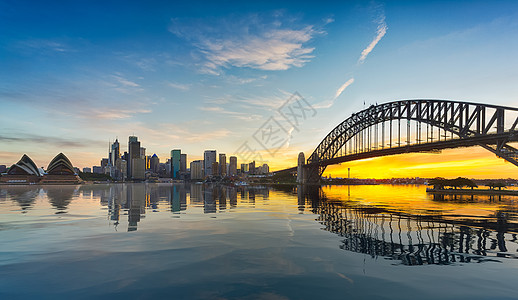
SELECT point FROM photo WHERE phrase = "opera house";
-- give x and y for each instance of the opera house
(25, 171)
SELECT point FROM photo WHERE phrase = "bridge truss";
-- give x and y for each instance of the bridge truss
(417, 126)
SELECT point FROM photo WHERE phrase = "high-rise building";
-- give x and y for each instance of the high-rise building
(148, 162)
(142, 152)
(209, 157)
(232, 166)
(121, 170)
(167, 167)
(183, 163)
(251, 168)
(197, 170)
(133, 153)
(97, 169)
(215, 168)
(222, 164)
(244, 168)
(138, 169)
(104, 164)
(264, 169)
(115, 152)
(154, 163)
(176, 155)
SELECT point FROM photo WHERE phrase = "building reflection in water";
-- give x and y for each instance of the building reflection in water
(414, 239)
(60, 196)
(23, 196)
(134, 199)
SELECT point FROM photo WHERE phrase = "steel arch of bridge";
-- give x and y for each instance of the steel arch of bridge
(448, 124)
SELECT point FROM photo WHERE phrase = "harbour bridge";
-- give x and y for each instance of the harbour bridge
(406, 126)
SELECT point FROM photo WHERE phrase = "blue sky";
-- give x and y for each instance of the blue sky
(204, 75)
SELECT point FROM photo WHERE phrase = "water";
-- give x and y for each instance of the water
(139, 241)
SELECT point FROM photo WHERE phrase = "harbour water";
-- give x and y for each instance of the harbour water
(175, 241)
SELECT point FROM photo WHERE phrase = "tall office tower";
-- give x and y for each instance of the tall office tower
(115, 152)
(154, 163)
(121, 172)
(209, 156)
(148, 162)
(104, 164)
(176, 155)
(232, 167)
(215, 168)
(138, 169)
(167, 167)
(251, 168)
(222, 164)
(133, 153)
(244, 168)
(197, 170)
(183, 163)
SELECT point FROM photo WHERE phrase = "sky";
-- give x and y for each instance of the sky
(197, 75)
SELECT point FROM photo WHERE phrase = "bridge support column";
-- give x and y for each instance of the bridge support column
(311, 174)
(300, 169)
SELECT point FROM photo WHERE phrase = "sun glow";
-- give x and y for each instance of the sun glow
(466, 162)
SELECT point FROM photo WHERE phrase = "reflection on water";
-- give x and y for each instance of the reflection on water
(123, 241)
(134, 199)
(432, 229)
(428, 237)
(24, 196)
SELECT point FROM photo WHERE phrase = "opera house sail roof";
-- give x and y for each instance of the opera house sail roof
(60, 165)
(60, 171)
(25, 166)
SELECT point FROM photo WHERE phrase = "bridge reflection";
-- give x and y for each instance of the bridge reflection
(414, 239)
(383, 223)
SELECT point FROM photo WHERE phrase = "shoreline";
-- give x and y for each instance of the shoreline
(472, 192)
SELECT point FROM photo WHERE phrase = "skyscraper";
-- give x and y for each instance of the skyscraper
(215, 168)
(209, 157)
(183, 163)
(105, 164)
(176, 155)
(115, 152)
(251, 168)
(197, 170)
(154, 163)
(138, 169)
(133, 153)
(232, 167)
(222, 164)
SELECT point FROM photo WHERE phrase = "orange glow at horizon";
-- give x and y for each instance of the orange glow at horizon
(473, 162)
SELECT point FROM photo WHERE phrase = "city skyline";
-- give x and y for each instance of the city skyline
(204, 76)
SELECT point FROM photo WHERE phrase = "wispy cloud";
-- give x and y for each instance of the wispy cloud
(124, 85)
(343, 87)
(249, 42)
(238, 115)
(27, 138)
(179, 86)
(380, 33)
(339, 91)
(125, 82)
(271, 101)
(44, 45)
(113, 113)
